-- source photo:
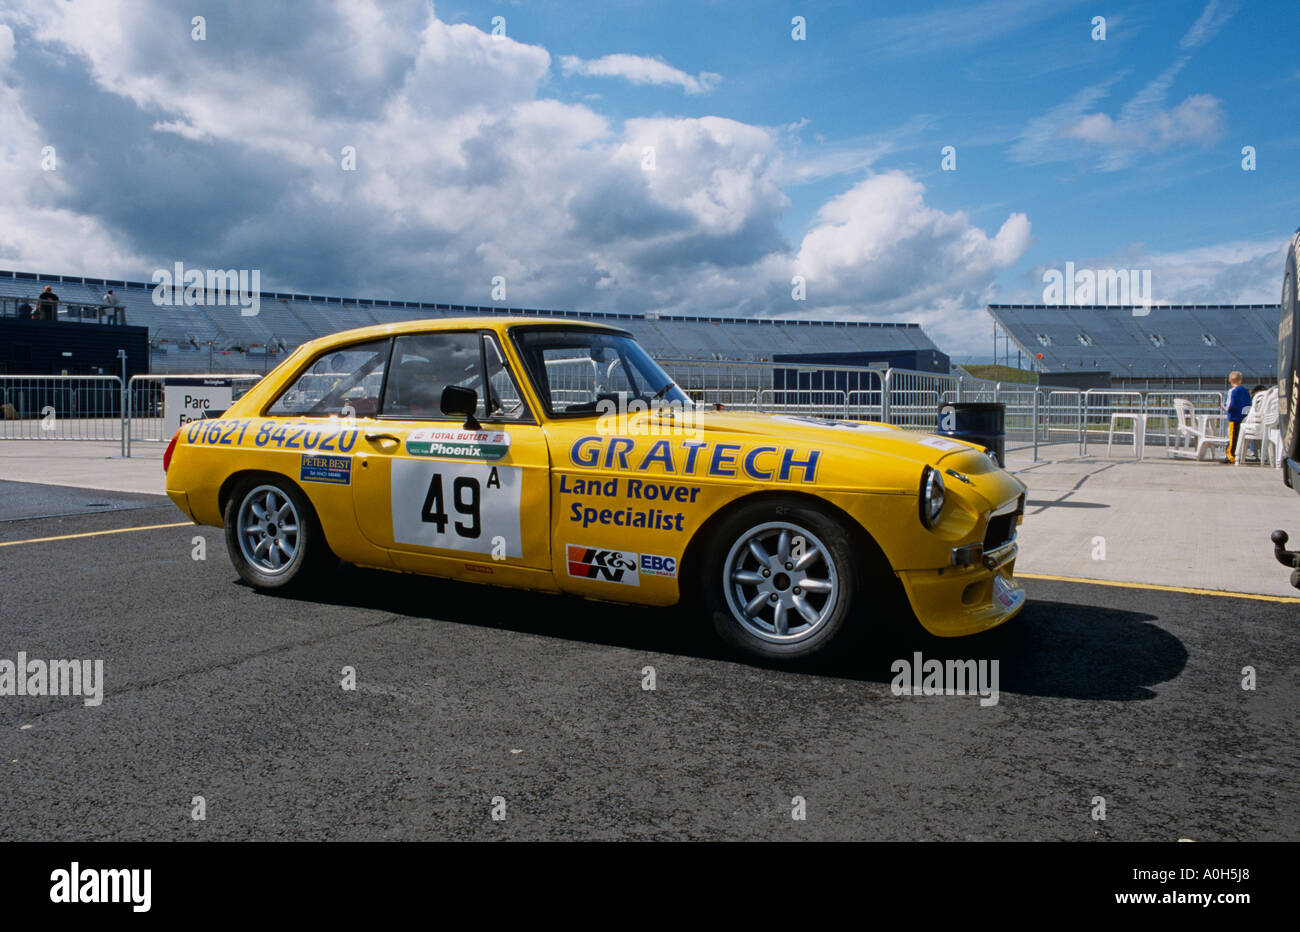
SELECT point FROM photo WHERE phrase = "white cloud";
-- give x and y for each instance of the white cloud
(36, 230)
(1233, 272)
(879, 251)
(952, 26)
(1213, 18)
(1144, 125)
(464, 172)
(1239, 272)
(640, 70)
(6, 46)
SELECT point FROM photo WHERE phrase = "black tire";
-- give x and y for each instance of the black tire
(728, 557)
(310, 560)
(1288, 365)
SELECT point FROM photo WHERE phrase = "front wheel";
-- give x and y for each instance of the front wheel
(273, 536)
(780, 580)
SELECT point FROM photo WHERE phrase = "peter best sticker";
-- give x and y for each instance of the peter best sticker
(332, 469)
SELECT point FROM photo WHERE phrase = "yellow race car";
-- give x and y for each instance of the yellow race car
(558, 456)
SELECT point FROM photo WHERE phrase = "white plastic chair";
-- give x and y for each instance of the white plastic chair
(1260, 424)
(1139, 430)
(1197, 437)
(1272, 442)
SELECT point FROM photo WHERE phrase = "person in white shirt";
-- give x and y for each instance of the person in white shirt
(113, 305)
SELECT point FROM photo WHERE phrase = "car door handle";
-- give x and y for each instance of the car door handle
(392, 438)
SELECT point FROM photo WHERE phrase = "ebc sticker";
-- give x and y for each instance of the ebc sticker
(457, 443)
(615, 566)
(336, 470)
(653, 565)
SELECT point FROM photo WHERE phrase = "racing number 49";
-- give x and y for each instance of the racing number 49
(465, 495)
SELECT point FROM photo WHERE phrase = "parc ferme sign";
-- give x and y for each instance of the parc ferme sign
(186, 400)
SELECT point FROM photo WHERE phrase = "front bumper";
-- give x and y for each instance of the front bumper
(961, 600)
(977, 590)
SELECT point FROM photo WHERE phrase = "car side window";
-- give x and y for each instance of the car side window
(426, 363)
(342, 382)
(508, 403)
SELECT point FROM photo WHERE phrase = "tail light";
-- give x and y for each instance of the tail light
(171, 448)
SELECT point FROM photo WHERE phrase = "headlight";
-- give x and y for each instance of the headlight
(931, 496)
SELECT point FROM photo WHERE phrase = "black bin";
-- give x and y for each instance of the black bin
(979, 422)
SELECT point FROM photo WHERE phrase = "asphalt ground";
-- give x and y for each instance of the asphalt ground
(466, 693)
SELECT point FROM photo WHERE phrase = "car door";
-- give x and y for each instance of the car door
(441, 496)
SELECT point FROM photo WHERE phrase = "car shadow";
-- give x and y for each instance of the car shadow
(1056, 649)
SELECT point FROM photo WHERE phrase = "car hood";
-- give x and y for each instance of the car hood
(854, 437)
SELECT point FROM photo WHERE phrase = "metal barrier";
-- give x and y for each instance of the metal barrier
(61, 407)
(146, 403)
(1099, 407)
(64, 311)
(99, 407)
(866, 404)
(1159, 409)
(817, 402)
(911, 398)
(776, 386)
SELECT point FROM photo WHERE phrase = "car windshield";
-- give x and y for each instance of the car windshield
(582, 371)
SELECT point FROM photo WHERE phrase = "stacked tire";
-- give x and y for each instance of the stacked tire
(1288, 364)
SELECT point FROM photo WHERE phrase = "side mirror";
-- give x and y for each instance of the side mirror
(461, 402)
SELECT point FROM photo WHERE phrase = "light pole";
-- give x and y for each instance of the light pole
(124, 422)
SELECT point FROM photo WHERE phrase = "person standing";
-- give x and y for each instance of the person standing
(113, 305)
(47, 305)
(1236, 404)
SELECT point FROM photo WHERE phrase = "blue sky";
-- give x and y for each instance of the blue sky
(523, 156)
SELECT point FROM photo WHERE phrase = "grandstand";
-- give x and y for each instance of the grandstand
(1176, 345)
(207, 338)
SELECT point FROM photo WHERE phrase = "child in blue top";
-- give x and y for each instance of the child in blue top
(1235, 404)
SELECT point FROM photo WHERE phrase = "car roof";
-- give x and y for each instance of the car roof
(436, 324)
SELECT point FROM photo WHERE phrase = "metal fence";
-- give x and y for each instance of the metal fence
(99, 407)
(146, 403)
(61, 407)
(79, 311)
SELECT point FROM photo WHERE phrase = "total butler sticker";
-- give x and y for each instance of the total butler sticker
(458, 443)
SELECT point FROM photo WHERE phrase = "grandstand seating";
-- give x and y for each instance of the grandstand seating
(218, 338)
(1176, 342)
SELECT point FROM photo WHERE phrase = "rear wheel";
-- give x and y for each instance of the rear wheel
(1288, 367)
(779, 579)
(273, 536)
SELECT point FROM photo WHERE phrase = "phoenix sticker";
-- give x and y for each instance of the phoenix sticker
(457, 443)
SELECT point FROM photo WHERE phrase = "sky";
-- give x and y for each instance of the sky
(741, 158)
